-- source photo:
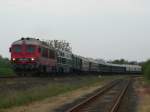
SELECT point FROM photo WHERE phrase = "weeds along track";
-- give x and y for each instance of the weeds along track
(16, 84)
(107, 99)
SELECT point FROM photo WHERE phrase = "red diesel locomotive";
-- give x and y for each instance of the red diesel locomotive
(32, 54)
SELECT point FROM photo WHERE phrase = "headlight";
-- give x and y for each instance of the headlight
(13, 59)
(32, 59)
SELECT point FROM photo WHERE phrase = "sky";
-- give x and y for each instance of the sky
(105, 29)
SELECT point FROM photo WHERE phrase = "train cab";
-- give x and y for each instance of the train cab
(23, 52)
(29, 54)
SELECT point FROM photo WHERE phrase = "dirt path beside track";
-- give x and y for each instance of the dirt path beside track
(143, 91)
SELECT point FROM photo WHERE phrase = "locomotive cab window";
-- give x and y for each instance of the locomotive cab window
(30, 49)
(16, 48)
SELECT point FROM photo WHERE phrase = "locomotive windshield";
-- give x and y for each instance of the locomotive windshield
(16, 48)
(30, 48)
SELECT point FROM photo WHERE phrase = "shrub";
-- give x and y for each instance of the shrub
(146, 69)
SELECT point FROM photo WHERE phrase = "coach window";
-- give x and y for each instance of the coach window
(59, 60)
(60, 53)
(44, 52)
(30, 49)
(63, 60)
(52, 54)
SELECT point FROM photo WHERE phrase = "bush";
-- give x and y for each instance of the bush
(146, 69)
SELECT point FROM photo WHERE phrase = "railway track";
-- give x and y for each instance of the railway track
(107, 99)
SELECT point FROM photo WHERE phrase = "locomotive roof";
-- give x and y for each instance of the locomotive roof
(29, 41)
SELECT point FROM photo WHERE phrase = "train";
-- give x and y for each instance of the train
(31, 54)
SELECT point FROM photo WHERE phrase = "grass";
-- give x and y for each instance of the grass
(17, 98)
(24, 97)
(6, 71)
(146, 70)
(146, 81)
(5, 67)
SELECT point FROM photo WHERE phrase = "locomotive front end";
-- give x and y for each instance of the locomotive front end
(24, 55)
